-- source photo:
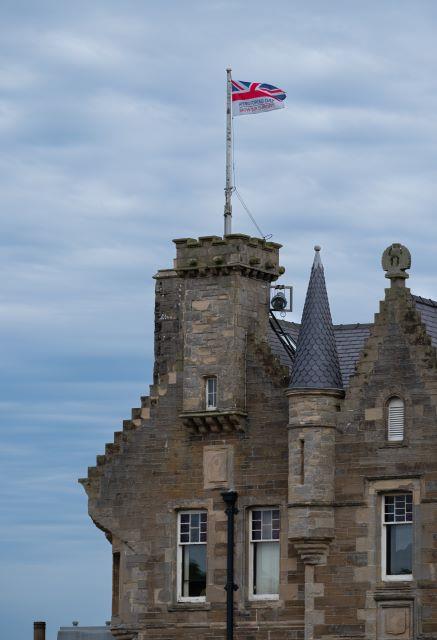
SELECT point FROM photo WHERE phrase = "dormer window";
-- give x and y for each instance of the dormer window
(211, 393)
(395, 420)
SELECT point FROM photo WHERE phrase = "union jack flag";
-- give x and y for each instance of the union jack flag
(254, 97)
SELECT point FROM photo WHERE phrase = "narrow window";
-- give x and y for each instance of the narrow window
(302, 461)
(192, 533)
(396, 419)
(264, 554)
(397, 536)
(115, 582)
(211, 393)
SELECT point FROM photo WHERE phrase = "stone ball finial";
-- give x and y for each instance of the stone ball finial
(317, 247)
(395, 260)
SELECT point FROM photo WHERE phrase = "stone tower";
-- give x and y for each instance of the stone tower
(225, 284)
(314, 395)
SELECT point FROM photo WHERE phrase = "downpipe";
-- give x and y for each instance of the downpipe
(230, 498)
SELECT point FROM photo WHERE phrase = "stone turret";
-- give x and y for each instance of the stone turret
(225, 286)
(314, 397)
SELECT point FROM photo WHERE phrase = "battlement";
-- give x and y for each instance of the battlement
(253, 257)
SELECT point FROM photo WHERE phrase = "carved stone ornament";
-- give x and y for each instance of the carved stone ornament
(395, 260)
(395, 621)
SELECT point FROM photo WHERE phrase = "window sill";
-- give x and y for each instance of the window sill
(271, 603)
(189, 606)
(386, 586)
(394, 445)
(400, 579)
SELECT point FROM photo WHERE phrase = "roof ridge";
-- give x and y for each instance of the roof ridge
(336, 327)
(428, 301)
(353, 325)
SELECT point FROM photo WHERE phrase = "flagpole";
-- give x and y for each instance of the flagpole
(228, 187)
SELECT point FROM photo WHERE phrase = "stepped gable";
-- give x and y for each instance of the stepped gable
(316, 364)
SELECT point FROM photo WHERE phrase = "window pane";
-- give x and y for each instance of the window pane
(191, 525)
(193, 570)
(265, 524)
(265, 568)
(399, 549)
(267, 517)
(211, 392)
(267, 532)
(398, 508)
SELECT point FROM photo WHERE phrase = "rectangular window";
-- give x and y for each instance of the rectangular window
(192, 534)
(396, 420)
(397, 536)
(264, 554)
(211, 393)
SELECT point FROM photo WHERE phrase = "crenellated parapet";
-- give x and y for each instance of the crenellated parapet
(213, 255)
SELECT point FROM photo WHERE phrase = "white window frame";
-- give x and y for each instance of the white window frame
(180, 597)
(213, 406)
(395, 419)
(252, 543)
(402, 577)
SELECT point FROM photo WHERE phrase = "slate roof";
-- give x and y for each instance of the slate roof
(316, 364)
(428, 311)
(350, 338)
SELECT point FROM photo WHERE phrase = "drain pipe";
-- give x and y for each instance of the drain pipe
(39, 630)
(230, 498)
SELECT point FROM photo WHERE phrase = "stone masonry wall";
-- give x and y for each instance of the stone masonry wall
(157, 467)
(398, 360)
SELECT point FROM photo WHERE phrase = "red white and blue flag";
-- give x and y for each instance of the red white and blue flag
(255, 97)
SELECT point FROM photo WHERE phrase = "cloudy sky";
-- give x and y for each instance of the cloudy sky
(112, 144)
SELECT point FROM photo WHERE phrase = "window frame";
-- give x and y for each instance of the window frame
(263, 596)
(179, 558)
(400, 577)
(212, 407)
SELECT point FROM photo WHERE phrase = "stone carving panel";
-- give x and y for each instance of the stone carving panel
(395, 621)
(218, 467)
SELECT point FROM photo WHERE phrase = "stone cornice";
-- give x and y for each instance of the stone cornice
(203, 422)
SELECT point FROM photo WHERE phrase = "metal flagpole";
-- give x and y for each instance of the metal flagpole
(228, 187)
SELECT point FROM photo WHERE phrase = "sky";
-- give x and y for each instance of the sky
(112, 130)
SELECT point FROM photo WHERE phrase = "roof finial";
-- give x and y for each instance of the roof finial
(396, 259)
(317, 260)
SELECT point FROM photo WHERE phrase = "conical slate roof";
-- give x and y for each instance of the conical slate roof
(316, 363)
